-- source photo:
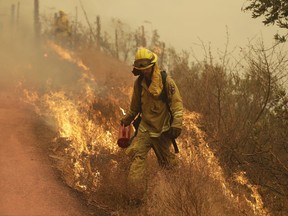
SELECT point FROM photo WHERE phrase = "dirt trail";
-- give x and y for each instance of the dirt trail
(29, 185)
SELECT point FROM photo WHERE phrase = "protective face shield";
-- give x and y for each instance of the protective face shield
(144, 59)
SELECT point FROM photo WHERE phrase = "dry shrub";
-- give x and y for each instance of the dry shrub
(112, 191)
(188, 191)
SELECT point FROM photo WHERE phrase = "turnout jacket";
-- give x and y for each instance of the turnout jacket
(156, 117)
(62, 24)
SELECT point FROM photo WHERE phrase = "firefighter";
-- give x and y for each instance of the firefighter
(61, 27)
(158, 126)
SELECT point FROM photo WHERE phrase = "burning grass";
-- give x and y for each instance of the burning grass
(85, 151)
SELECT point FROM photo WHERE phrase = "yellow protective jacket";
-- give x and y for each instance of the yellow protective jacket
(154, 111)
(62, 24)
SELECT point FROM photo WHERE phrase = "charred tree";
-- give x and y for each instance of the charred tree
(18, 12)
(98, 29)
(36, 19)
(12, 16)
(143, 37)
(116, 45)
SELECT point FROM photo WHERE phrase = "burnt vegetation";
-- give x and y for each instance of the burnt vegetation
(243, 102)
(241, 105)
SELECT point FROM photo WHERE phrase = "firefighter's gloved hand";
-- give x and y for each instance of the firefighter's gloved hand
(124, 122)
(174, 132)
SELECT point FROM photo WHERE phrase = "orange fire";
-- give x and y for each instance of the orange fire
(86, 136)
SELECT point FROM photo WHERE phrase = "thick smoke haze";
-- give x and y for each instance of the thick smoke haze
(22, 58)
(182, 24)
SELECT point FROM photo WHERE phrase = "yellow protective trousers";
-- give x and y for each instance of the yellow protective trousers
(138, 151)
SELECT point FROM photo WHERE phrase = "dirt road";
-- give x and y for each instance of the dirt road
(29, 185)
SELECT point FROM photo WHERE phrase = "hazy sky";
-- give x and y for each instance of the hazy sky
(181, 24)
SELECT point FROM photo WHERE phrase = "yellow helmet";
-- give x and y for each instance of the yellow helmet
(61, 12)
(144, 59)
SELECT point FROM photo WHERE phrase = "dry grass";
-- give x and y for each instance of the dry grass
(90, 162)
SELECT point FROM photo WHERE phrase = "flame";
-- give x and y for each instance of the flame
(123, 111)
(215, 170)
(258, 206)
(84, 135)
(70, 114)
(65, 54)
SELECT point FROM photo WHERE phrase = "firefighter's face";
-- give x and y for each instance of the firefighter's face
(147, 73)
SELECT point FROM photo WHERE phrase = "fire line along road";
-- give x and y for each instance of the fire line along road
(29, 185)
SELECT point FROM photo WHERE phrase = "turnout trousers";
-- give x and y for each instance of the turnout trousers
(138, 152)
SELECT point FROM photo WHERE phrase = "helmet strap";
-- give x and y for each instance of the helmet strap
(136, 72)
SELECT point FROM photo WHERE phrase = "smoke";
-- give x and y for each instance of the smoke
(26, 58)
(16, 40)
(64, 84)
